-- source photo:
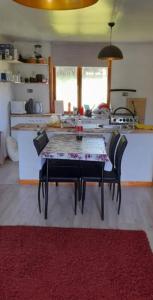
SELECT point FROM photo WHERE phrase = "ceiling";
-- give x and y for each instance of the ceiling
(134, 22)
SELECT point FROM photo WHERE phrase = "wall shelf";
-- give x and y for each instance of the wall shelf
(20, 62)
(42, 83)
(22, 83)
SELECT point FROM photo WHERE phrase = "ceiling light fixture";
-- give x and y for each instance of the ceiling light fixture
(57, 4)
(110, 52)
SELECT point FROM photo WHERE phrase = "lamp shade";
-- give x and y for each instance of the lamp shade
(56, 4)
(110, 52)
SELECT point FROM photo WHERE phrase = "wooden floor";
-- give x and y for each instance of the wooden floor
(18, 206)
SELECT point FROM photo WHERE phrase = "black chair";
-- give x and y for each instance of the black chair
(40, 141)
(112, 146)
(95, 174)
(112, 152)
(55, 171)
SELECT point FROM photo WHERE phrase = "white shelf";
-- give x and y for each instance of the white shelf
(42, 83)
(20, 62)
(11, 61)
(22, 83)
(34, 64)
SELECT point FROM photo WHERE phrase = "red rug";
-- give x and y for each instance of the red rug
(38, 263)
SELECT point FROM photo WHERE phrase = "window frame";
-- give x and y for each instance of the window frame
(79, 86)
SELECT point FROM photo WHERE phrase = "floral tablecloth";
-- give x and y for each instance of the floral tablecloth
(68, 147)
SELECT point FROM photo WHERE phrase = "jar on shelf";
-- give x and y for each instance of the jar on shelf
(38, 52)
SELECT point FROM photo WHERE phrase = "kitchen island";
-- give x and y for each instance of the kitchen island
(137, 164)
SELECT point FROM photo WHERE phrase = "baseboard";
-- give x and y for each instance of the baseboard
(137, 183)
(123, 183)
(28, 181)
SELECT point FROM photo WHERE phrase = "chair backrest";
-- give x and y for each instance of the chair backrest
(41, 141)
(112, 146)
(119, 153)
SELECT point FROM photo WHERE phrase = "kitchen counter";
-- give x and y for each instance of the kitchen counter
(137, 164)
(32, 115)
(36, 127)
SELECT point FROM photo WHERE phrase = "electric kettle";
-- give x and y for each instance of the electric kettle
(38, 107)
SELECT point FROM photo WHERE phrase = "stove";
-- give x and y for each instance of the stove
(123, 118)
(120, 119)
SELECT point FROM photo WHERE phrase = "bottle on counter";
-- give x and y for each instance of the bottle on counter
(69, 108)
(79, 130)
(81, 111)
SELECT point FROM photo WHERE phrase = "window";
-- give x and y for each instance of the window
(81, 85)
(94, 86)
(66, 86)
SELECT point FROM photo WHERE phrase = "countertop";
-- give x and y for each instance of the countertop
(32, 115)
(36, 127)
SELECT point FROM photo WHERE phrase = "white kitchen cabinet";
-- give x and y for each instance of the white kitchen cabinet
(28, 120)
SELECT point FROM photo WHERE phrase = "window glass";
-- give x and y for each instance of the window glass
(94, 86)
(66, 86)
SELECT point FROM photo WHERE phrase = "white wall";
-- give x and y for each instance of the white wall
(76, 54)
(135, 71)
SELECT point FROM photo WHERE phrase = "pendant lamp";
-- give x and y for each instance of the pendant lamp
(110, 52)
(57, 4)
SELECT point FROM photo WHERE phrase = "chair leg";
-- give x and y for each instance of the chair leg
(117, 194)
(80, 189)
(83, 195)
(46, 199)
(76, 198)
(119, 204)
(43, 193)
(113, 193)
(56, 183)
(102, 200)
(39, 203)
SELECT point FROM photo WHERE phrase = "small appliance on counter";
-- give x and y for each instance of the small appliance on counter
(33, 107)
(29, 106)
(119, 117)
(37, 107)
(18, 107)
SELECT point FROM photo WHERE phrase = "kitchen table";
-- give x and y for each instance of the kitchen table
(67, 147)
